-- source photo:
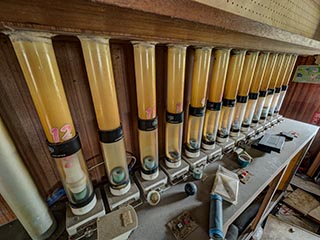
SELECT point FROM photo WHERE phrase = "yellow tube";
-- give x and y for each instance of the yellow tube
(96, 52)
(144, 62)
(286, 80)
(269, 71)
(38, 63)
(289, 73)
(254, 90)
(249, 67)
(219, 73)
(145, 70)
(235, 68)
(198, 100)
(98, 62)
(282, 74)
(278, 68)
(176, 77)
(234, 74)
(200, 76)
(175, 91)
(259, 72)
(264, 87)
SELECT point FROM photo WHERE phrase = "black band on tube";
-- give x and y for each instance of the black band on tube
(228, 102)
(197, 112)
(270, 91)
(207, 142)
(284, 87)
(242, 99)
(148, 125)
(277, 90)
(111, 136)
(64, 149)
(253, 95)
(174, 118)
(262, 93)
(192, 150)
(214, 106)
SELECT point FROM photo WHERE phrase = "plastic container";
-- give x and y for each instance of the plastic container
(144, 62)
(175, 92)
(98, 62)
(198, 100)
(20, 193)
(38, 63)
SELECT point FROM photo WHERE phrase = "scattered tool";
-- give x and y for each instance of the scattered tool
(182, 225)
(215, 218)
(190, 189)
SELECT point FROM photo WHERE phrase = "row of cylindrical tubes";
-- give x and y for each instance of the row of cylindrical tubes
(239, 78)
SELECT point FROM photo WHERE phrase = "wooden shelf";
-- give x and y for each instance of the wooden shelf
(167, 21)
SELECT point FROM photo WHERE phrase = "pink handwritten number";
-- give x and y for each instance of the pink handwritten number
(67, 130)
(55, 134)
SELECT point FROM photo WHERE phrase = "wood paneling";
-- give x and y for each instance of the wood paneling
(173, 21)
(301, 101)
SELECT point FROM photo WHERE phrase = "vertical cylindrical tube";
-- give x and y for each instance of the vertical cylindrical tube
(96, 52)
(214, 103)
(285, 83)
(174, 116)
(145, 71)
(198, 100)
(216, 217)
(20, 192)
(38, 63)
(264, 87)
(235, 67)
(283, 71)
(249, 67)
(254, 90)
(272, 85)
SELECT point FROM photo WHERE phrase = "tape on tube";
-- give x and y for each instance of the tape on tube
(214, 106)
(284, 87)
(253, 95)
(64, 149)
(270, 91)
(277, 90)
(242, 99)
(174, 118)
(262, 93)
(111, 136)
(197, 112)
(148, 125)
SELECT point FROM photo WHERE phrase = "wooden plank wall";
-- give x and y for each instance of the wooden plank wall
(301, 101)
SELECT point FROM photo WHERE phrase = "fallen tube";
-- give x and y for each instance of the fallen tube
(198, 101)
(249, 67)
(271, 88)
(230, 92)
(214, 103)
(98, 63)
(144, 62)
(254, 90)
(19, 191)
(174, 114)
(38, 63)
(264, 87)
(284, 87)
